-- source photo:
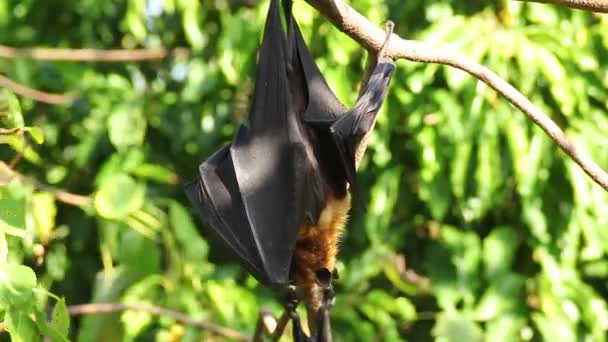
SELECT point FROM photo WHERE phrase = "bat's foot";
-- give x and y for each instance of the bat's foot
(291, 303)
(276, 328)
(321, 324)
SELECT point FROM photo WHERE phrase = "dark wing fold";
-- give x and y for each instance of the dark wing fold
(349, 130)
(262, 156)
(322, 105)
(215, 194)
(246, 190)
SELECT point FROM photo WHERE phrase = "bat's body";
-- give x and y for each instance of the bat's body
(278, 196)
(317, 247)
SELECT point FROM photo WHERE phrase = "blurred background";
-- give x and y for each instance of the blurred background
(476, 226)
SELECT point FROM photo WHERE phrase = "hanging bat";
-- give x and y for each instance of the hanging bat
(279, 194)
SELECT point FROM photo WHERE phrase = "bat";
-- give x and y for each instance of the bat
(279, 194)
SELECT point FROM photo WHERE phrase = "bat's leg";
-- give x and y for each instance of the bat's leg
(322, 331)
(291, 302)
(277, 328)
(324, 325)
(298, 332)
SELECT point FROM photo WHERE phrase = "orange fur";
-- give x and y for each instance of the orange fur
(317, 245)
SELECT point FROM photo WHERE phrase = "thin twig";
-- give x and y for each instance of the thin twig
(10, 131)
(91, 55)
(368, 35)
(34, 94)
(95, 308)
(588, 5)
(7, 174)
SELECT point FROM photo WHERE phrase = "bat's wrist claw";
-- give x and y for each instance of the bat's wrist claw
(389, 27)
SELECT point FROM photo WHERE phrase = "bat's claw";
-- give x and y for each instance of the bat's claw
(389, 27)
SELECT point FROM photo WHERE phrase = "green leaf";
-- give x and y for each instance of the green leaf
(127, 127)
(37, 134)
(383, 200)
(61, 318)
(12, 216)
(20, 326)
(16, 286)
(156, 172)
(3, 248)
(118, 196)
(456, 328)
(134, 19)
(191, 24)
(499, 250)
(139, 253)
(141, 292)
(57, 261)
(505, 328)
(504, 294)
(186, 233)
(44, 212)
(10, 110)
(49, 330)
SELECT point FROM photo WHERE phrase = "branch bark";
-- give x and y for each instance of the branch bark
(34, 94)
(95, 308)
(75, 55)
(7, 174)
(588, 5)
(370, 36)
(90, 55)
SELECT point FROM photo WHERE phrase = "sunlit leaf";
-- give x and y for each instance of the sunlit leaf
(455, 328)
(20, 326)
(186, 233)
(16, 286)
(119, 196)
(61, 318)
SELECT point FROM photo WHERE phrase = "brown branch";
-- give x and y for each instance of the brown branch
(7, 174)
(588, 5)
(34, 94)
(90, 55)
(95, 308)
(371, 37)
(10, 131)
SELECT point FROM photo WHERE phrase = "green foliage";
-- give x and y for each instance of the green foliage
(477, 227)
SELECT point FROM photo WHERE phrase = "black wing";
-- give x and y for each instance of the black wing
(320, 105)
(253, 193)
(349, 130)
(339, 131)
(245, 190)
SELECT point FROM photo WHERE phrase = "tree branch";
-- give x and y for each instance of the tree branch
(95, 308)
(371, 37)
(588, 5)
(90, 55)
(7, 174)
(9, 131)
(34, 94)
